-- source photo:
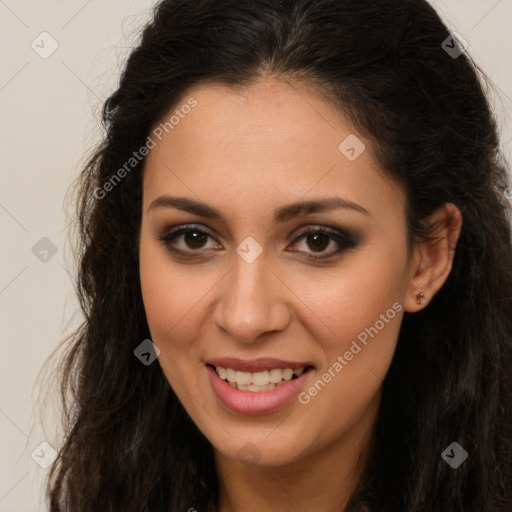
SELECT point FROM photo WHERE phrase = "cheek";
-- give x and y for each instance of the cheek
(168, 304)
(351, 298)
(359, 315)
(168, 296)
(362, 309)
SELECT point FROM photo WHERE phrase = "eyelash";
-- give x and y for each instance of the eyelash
(345, 240)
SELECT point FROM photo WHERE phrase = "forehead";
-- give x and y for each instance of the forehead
(256, 146)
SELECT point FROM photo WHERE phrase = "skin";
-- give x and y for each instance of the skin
(247, 152)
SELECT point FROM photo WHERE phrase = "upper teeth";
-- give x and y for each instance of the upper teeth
(273, 376)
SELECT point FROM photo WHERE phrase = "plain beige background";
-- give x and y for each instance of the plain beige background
(49, 120)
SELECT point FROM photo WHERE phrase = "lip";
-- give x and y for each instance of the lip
(251, 403)
(256, 365)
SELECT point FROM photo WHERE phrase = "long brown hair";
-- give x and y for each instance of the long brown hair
(129, 444)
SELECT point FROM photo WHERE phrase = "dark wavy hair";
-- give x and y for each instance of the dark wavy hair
(129, 444)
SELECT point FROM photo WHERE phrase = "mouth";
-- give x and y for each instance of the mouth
(262, 386)
(258, 381)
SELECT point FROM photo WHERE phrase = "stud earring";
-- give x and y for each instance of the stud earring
(419, 297)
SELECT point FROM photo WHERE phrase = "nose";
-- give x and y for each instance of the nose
(252, 301)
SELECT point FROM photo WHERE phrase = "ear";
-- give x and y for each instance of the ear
(432, 260)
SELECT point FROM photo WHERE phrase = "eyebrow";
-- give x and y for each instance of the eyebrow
(281, 214)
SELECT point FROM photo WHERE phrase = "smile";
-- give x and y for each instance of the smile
(271, 385)
(258, 381)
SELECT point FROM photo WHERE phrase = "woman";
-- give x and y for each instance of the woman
(295, 270)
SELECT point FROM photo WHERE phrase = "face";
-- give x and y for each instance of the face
(236, 274)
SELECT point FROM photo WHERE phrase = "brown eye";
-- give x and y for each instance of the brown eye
(319, 239)
(186, 241)
(191, 242)
(195, 239)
